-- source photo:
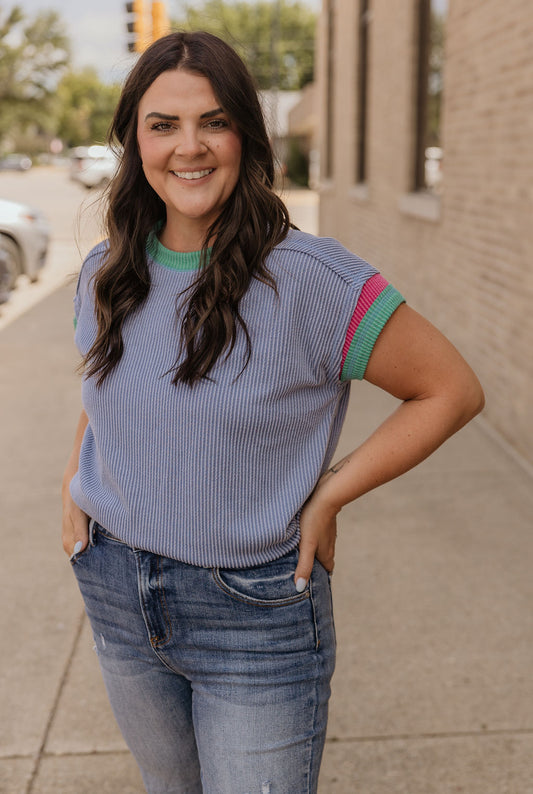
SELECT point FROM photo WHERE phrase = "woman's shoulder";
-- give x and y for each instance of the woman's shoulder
(91, 264)
(96, 256)
(93, 261)
(324, 254)
(309, 244)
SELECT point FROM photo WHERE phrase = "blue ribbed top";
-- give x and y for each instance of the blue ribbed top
(216, 474)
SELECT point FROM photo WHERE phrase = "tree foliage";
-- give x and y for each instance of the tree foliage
(85, 109)
(275, 38)
(34, 52)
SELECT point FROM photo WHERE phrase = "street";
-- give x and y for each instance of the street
(433, 692)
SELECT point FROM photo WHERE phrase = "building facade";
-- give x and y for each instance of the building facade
(426, 170)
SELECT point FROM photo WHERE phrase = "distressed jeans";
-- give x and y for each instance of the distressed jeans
(219, 679)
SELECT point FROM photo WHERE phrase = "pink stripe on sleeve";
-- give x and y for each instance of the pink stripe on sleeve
(373, 287)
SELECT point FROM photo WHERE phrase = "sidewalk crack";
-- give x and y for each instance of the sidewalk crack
(62, 681)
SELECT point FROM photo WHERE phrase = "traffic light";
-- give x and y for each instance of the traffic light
(160, 23)
(137, 26)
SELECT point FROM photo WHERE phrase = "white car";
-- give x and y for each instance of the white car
(24, 237)
(15, 162)
(93, 166)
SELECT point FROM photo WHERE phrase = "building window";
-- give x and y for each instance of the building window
(362, 90)
(330, 87)
(429, 152)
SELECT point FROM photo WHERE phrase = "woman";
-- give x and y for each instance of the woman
(199, 510)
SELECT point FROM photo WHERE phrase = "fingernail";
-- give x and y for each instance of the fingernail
(301, 584)
(77, 548)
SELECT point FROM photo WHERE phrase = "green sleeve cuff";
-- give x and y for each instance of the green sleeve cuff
(367, 332)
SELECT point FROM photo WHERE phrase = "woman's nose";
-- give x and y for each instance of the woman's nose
(190, 144)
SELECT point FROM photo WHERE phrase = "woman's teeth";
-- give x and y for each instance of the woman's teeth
(193, 174)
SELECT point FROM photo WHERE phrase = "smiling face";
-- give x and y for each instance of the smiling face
(191, 154)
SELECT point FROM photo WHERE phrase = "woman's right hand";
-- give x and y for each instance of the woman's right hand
(75, 529)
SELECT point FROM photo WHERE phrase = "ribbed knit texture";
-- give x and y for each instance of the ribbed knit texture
(216, 474)
(376, 303)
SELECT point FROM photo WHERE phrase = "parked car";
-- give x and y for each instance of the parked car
(92, 166)
(24, 238)
(4, 277)
(15, 162)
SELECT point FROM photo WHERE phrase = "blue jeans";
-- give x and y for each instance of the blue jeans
(219, 679)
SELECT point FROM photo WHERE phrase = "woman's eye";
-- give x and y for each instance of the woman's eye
(217, 124)
(161, 126)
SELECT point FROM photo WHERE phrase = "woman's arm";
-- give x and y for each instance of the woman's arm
(75, 522)
(415, 363)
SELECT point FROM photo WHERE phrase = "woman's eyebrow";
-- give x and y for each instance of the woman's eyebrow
(165, 116)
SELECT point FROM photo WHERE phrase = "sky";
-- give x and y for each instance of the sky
(97, 30)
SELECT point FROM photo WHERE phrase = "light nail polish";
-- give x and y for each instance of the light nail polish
(301, 584)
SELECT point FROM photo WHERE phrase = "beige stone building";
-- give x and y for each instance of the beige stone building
(440, 202)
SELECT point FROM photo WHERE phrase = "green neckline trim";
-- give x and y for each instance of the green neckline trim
(174, 260)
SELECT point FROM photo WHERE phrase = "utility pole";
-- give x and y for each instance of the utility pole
(274, 62)
(160, 22)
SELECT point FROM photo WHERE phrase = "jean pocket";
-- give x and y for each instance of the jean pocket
(75, 558)
(270, 585)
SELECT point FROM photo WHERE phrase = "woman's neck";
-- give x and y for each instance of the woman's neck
(183, 239)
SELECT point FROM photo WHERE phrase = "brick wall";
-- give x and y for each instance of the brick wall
(465, 259)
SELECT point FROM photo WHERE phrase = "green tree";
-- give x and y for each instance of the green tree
(275, 38)
(85, 107)
(34, 52)
(297, 163)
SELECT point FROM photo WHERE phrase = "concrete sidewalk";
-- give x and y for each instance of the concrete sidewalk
(433, 592)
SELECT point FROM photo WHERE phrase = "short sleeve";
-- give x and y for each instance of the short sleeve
(377, 301)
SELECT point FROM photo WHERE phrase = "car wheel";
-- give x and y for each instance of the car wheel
(11, 262)
(5, 278)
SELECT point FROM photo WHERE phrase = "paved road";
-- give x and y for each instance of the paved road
(433, 589)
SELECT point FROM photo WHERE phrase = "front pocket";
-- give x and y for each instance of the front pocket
(77, 557)
(270, 585)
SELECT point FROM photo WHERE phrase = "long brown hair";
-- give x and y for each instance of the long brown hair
(252, 222)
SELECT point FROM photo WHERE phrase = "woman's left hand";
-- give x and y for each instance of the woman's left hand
(318, 534)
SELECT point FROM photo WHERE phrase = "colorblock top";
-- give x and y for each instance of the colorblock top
(216, 474)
